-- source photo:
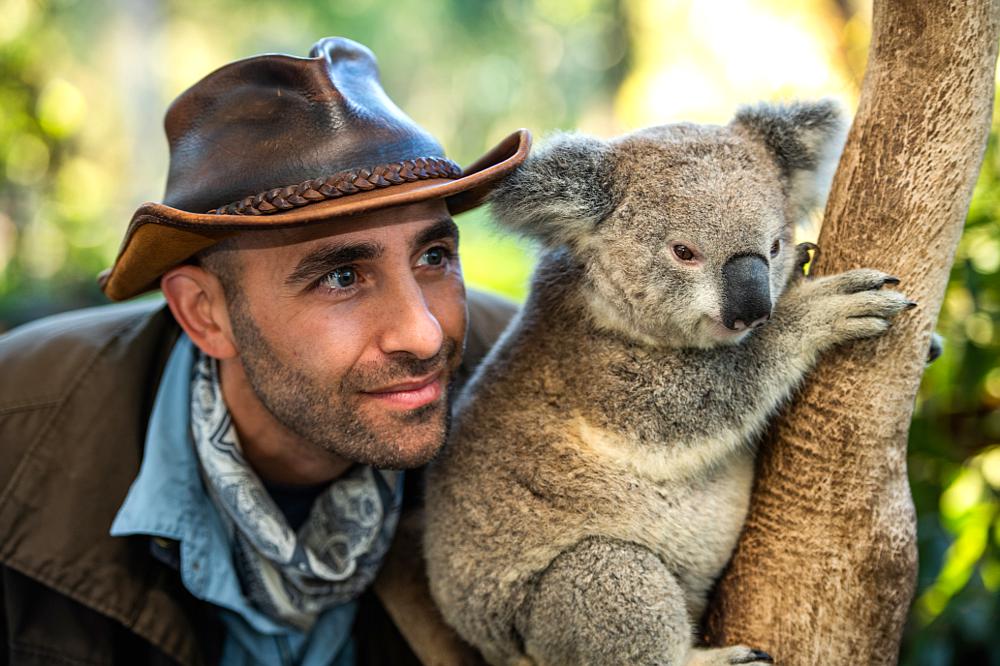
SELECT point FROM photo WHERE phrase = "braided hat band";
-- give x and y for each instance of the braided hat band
(341, 184)
(277, 119)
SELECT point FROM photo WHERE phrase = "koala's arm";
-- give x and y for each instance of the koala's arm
(739, 387)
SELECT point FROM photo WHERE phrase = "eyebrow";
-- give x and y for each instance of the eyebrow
(327, 258)
(443, 228)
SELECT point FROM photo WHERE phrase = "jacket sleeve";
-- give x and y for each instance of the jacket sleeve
(402, 588)
(489, 315)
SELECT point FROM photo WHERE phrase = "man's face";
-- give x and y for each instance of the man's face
(350, 332)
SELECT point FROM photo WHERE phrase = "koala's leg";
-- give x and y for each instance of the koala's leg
(606, 602)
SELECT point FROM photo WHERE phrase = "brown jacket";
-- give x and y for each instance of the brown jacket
(76, 391)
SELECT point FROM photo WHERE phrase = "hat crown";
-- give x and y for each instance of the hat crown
(276, 120)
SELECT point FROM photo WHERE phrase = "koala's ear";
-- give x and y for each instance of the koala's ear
(805, 138)
(560, 193)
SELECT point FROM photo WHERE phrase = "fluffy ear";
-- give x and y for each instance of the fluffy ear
(560, 193)
(806, 139)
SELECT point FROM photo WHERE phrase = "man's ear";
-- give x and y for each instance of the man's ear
(560, 193)
(198, 302)
(805, 139)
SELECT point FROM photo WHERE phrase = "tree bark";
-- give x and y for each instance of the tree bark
(824, 572)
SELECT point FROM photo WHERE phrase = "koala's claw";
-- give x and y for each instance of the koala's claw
(866, 314)
(755, 657)
(936, 348)
(884, 303)
(832, 309)
(856, 281)
(737, 654)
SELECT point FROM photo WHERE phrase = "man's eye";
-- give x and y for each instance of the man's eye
(434, 256)
(340, 278)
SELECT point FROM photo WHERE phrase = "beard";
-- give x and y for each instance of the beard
(330, 415)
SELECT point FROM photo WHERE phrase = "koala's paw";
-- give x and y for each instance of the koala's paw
(736, 654)
(848, 306)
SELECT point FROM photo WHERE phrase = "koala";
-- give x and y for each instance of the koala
(600, 463)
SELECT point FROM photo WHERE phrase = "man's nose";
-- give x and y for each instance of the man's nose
(746, 292)
(408, 324)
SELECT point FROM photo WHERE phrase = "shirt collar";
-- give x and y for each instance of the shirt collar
(167, 498)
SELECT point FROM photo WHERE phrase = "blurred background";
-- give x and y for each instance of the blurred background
(84, 85)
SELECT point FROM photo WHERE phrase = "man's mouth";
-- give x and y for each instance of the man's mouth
(410, 394)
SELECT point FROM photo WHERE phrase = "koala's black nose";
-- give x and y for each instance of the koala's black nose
(746, 292)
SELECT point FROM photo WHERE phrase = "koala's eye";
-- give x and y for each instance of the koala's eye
(683, 252)
(776, 248)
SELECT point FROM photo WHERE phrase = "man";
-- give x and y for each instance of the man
(216, 481)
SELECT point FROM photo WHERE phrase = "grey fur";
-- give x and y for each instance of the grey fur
(566, 193)
(805, 139)
(600, 465)
(796, 134)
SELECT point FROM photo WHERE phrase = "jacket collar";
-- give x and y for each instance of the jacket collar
(75, 470)
(90, 393)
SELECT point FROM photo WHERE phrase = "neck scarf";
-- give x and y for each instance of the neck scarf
(291, 577)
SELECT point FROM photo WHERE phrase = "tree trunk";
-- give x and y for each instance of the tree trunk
(824, 572)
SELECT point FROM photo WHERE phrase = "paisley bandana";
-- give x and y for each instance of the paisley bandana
(291, 577)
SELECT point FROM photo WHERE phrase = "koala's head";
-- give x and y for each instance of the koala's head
(684, 231)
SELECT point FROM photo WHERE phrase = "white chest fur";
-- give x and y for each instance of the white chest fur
(686, 503)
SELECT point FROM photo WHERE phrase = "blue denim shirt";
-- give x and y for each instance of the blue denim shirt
(168, 500)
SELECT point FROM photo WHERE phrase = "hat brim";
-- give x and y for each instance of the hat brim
(160, 237)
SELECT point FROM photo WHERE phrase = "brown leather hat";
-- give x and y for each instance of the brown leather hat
(279, 141)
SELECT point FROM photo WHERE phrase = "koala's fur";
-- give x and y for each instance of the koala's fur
(599, 470)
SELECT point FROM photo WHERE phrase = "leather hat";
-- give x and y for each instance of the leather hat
(279, 141)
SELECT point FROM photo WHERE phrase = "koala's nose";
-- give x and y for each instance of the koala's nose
(746, 292)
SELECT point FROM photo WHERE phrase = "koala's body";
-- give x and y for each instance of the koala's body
(600, 465)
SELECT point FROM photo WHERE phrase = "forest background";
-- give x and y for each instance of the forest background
(84, 85)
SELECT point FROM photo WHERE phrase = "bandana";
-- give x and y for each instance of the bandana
(334, 556)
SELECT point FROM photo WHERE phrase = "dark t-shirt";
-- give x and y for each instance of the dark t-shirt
(295, 501)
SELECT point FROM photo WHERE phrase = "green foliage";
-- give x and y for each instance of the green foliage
(954, 455)
(84, 86)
